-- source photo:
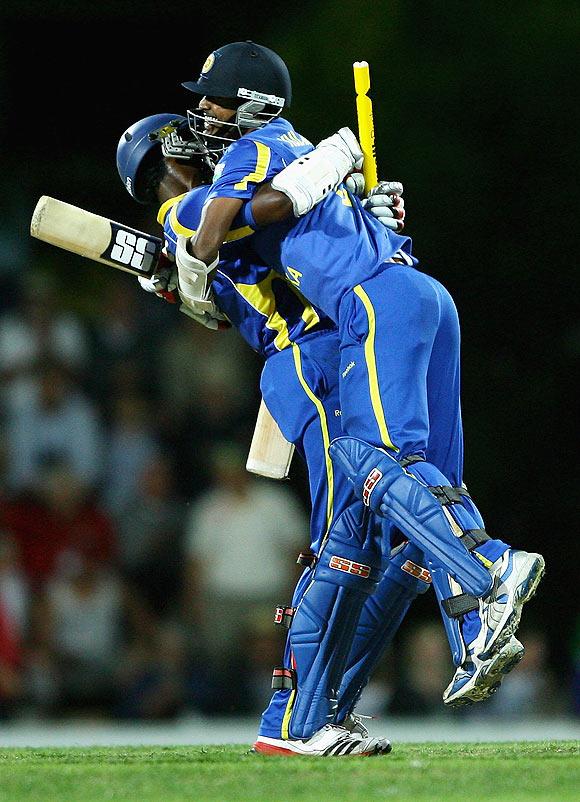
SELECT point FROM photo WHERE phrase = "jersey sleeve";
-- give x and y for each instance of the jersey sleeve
(243, 168)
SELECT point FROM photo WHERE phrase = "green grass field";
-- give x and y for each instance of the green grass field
(490, 772)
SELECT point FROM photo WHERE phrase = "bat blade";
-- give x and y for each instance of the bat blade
(95, 237)
(270, 453)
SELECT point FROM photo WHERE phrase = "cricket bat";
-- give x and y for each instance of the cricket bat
(117, 245)
(270, 453)
(95, 237)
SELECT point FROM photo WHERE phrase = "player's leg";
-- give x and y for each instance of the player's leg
(388, 332)
(404, 579)
(387, 329)
(299, 387)
(475, 679)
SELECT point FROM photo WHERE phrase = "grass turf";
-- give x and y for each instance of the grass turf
(491, 772)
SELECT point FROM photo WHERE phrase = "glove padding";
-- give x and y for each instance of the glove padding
(309, 178)
(216, 321)
(163, 284)
(345, 142)
(355, 183)
(193, 278)
(385, 202)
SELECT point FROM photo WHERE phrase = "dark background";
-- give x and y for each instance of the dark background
(474, 111)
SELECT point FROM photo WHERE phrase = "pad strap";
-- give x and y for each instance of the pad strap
(283, 679)
(307, 559)
(445, 494)
(456, 606)
(283, 615)
(472, 538)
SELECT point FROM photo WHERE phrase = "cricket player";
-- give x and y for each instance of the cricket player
(403, 578)
(299, 383)
(402, 447)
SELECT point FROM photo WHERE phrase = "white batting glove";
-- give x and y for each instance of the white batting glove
(194, 283)
(385, 202)
(309, 178)
(163, 283)
(346, 143)
(355, 183)
(216, 321)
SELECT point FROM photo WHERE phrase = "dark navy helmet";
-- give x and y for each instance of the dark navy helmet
(244, 70)
(243, 76)
(146, 142)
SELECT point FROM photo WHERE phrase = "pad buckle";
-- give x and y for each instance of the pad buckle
(445, 494)
(472, 538)
(306, 558)
(283, 615)
(283, 679)
(459, 605)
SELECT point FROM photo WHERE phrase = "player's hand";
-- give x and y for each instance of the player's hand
(385, 202)
(355, 183)
(163, 284)
(216, 321)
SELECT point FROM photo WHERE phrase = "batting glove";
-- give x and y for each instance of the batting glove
(385, 202)
(163, 283)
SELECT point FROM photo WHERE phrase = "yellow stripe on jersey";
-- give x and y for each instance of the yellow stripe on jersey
(179, 228)
(261, 297)
(372, 370)
(261, 169)
(325, 435)
(165, 207)
(309, 316)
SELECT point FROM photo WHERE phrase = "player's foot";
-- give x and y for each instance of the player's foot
(476, 680)
(516, 576)
(331, 741)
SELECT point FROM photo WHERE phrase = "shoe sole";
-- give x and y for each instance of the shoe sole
(271, 750)
(486, 684)
(524, 592)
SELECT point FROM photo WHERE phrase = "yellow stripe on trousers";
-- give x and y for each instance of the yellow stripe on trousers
(371, 362)
(329, 497)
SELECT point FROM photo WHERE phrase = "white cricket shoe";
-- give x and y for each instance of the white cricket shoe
(330, 741)
(476, 680)
(516, 576)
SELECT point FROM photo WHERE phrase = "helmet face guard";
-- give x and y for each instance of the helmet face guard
(178, 142)
(256, 110)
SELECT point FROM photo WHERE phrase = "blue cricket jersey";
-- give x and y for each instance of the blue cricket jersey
(328, 251)
(269, 313)
(255, 158)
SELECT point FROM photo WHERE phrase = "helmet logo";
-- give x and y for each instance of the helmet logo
(129, 184)
(208, 64)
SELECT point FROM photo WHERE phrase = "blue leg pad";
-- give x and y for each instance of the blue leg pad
(390, 491)
(347, 572)
(442, 585)
(382, 614)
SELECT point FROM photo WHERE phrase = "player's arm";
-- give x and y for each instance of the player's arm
(217, 220)
(305, 182)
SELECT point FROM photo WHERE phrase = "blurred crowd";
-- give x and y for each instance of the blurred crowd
(140, 562)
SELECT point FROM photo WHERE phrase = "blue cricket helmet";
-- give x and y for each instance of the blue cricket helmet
(244, 70)
(140, 148)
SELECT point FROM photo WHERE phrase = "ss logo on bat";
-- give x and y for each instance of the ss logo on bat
(132, 250)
